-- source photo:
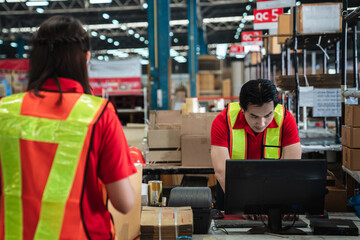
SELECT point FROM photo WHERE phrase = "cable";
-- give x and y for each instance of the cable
(215, 229)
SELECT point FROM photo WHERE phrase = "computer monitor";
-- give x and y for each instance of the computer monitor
(274, 188)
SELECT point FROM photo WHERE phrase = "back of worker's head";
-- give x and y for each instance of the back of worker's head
(257, 92)
(59, 50)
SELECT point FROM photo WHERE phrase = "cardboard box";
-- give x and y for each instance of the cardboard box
(350, 136)
(165, 119)
(274, 45)
(209, 62)
(284, 27)
(351, 158)
(352, 115)
(195, 151)
(336, 200)
(164, 138)
(192, 105)
(207, 82)
(153, 221)
(128, 226)
(197, 123)
(226, 88)
(164, 157)
(319, 18)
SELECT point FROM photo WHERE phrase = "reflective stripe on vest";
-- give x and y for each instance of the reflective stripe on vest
(238, 138)
(69, 134)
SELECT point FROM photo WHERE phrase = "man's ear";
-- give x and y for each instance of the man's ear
(87, 56)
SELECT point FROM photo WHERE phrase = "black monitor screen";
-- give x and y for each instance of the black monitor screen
(288, 186)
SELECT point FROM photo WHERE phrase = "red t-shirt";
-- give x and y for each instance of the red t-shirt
(109, 161)
(220, 133)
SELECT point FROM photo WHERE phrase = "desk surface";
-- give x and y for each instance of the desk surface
(354, 174)
(240, 233)
(158, 169)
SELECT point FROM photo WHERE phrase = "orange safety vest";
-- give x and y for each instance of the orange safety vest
(44, 148)
(271, 145)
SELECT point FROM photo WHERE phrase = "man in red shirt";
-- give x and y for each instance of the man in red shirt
(250, 130)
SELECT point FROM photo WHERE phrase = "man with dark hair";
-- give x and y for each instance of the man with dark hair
(257, 128)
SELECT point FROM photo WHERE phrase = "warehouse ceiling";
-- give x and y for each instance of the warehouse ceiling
(121, 26)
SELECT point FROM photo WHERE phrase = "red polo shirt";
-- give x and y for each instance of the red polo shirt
(109, 161)
(220, 133)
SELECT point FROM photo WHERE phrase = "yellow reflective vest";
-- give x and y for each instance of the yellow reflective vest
(271, 144)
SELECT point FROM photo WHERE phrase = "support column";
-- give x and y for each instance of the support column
(192, 41)
(158, 34)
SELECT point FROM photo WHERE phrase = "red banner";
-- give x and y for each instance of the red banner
(130, 85)
(246, 38)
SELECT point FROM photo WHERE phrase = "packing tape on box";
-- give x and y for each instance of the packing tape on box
(160, 223)
(176, 232)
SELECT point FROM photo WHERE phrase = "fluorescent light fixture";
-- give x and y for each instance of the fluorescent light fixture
(180, 59)
(100, 58)
(105, 16)
(40, 10)
(221, 50)
(94, 34)
(173, 53)
(114, 21)
(137, 35)
(13, 44)
(144, 62)
(116, 43)
(106, 58)
(123, 27)
(37, 3)
(99, 1)
(131, 32)
(102, 37)
(145, 5)
(142, 39)
(142, 51)
(14, 1)
(110, 40)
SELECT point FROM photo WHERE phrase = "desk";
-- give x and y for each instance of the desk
(158, 169)
(240, 233)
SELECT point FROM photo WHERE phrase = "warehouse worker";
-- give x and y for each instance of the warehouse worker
(58, 144)
(257, 128)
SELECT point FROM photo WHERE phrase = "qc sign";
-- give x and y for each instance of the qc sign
(267, 4)
(267, 19)
(249, 38)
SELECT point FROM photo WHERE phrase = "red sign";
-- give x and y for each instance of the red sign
(267, 15)
(119, 85)
(247, 36)
(237, 49)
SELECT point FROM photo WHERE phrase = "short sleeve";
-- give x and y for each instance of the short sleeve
(290, 133)
(114, 156)
(219, 130)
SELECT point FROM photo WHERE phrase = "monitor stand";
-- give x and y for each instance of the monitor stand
(275, 225)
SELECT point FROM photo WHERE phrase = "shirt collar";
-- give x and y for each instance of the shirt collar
(241, 123)
(67, 85)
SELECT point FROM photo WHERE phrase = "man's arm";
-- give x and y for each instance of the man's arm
(218, 159)
(121, 194)
(292, 151)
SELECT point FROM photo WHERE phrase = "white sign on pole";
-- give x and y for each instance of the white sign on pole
(266, 4)
(306, 97)
(327, 102)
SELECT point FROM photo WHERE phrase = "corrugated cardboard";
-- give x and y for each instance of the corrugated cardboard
(195, 151)
(351, 158)
(352, 115)
(319, 18)
(155, 219)
(284, 27)
(335, 199)
(197, 123)
(350, 136)
(274, 45)
(173, 156)
(165, 119)
(128, 226)
(226, 88)
(207, 81)
(192, 105)
(164, 138)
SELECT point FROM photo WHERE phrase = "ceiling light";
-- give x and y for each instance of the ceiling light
(144, 62)
(145, 5)
(298, 3)
(99, 1)
(26, 47)
(110, 40)
(171, 34)
(146, 42)
(94, 34)
(243, 20)
(102, 37)
(100, 58)
(36, 3)
(137, 35)
(250, 0)
(106, 16)
(242, 25)
(115, 21)
(236, 36)
(106, 58)
(176, 40)
(123, 27)
(180, 59)
(131, 32)
(13, 44)
(142, 39)
(40, 10)
(245, 14)
(248, 7)
(1, 41)
(116, 43)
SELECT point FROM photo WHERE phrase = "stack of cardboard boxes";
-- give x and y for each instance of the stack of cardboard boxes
(351, 137)
(176, 139)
